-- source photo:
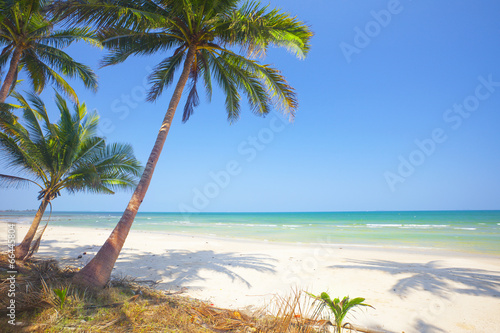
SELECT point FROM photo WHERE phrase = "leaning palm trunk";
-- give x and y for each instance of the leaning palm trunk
(11, 76)
(23, 248)
(35, 243)
(98, 271)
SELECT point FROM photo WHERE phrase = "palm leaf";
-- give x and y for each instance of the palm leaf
(108, 13)
(62, 62)
(64, 38)
(254, 29)
(123, 43)
(226, 82)
(7, 181)
(163, 74)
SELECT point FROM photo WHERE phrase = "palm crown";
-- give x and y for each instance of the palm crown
(64, 155)
(32, 44)
(213, 30)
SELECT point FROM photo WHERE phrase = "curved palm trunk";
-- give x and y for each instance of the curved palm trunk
(98, 271)
(23, 248)
(11, 75)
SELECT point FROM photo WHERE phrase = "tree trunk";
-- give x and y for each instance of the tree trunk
(11, 74)
(98, 271)
(23, 248)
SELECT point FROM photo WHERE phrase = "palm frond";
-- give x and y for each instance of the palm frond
(123, 43)
(111, 168)
(7, 181)
(64, 38)
(203, 56)
(163, 74)
(254, 29)
(193, 99)
(249, 81)
(62, 62)
(20, 155)
(5, 55)
(282, 95)
(227, 84)
(139, 15)
(40, 74)
(38, 108)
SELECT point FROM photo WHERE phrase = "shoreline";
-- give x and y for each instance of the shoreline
(411, 289)
(402, 247)
(470, 231)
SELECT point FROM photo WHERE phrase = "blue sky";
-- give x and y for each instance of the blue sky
(399, 110)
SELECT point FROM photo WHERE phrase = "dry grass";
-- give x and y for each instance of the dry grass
(126, 306)
(293, 313)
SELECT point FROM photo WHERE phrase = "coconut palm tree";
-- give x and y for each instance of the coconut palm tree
(30, 41)
(67, 155)
(205, 40)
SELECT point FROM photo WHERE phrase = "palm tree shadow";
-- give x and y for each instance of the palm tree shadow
(433, 277)
(178, 268)
(171, 270)
(423, 327)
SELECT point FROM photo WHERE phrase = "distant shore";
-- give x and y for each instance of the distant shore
(412, 290)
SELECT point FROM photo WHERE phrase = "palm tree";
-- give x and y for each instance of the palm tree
(64, 155)
(31, 43)
(202, 36)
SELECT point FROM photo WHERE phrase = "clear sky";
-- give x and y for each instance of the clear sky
(399, 110)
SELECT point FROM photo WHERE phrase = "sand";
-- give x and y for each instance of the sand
(411, 289)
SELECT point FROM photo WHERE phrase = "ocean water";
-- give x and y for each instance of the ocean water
(469, 231)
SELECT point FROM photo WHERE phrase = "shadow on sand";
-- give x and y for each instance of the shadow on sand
(171, 270)
(177, 268)
(434, 278)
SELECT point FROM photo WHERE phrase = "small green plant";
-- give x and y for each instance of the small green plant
(337, 307)
(61, 293)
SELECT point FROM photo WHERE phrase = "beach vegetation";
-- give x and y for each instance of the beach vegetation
(65, 155)
(32, 44)
(339, 309)
(207, 42)
(129, 305)
(61, 294)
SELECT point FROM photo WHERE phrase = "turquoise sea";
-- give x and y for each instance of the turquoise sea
(470, 231)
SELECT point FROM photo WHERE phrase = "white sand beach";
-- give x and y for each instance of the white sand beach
(412, 290)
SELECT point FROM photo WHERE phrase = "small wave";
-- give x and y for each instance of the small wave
(350, 225)
(292, 226)
(464, 228)
(183, 222)
(384, 225)
(424, 226)
(224, 224)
